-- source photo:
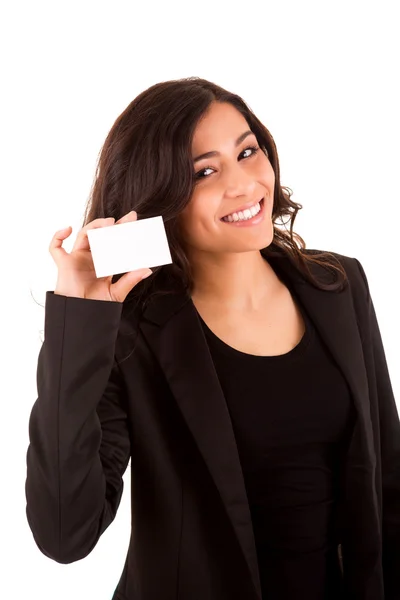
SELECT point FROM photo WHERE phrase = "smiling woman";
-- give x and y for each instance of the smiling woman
(241, 177)
(193, 152)
(256, 405)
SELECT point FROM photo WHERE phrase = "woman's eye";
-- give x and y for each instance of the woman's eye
(254, 149)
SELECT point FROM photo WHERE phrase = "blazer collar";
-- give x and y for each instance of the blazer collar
(173, 330)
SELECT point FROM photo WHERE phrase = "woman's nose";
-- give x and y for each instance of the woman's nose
(238, 182)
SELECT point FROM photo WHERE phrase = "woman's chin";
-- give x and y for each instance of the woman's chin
(256, 241)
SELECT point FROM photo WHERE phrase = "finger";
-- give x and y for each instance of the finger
(55, 248)
(121, 288)
(131, 216)
(82, 241)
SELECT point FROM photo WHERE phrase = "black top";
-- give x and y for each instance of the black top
(292, 416)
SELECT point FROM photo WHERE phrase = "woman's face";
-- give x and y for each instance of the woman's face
(236, 177)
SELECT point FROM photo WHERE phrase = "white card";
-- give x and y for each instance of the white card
(124, 247)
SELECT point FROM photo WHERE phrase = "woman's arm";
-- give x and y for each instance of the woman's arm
(79, 441)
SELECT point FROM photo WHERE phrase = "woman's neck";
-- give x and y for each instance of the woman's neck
(235, 281)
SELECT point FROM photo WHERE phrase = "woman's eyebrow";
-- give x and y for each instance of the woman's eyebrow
(215, 153)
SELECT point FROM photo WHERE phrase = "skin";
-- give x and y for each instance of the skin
(228, 268)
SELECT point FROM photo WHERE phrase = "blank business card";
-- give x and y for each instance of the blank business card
(124, 247)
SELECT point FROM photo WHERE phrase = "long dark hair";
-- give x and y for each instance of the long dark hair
(146, 165)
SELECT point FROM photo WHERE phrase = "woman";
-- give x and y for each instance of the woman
(246, 381)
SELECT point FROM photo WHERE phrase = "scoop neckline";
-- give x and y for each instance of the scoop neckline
(293, 354)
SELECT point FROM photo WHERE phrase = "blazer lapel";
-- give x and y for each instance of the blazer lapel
(358, 516)
(182, 351)
(174, 332)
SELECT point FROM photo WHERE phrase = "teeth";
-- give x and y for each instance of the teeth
(243, 215)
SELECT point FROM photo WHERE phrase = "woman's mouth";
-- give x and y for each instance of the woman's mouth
(241, 219)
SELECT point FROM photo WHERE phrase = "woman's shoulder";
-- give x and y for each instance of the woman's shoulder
(352, 266)
(350, 263)
(343, 258)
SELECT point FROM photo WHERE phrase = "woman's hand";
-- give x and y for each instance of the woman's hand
(76, 274)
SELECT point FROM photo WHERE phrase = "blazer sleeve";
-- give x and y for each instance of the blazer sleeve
(79, 444)
(390, 456)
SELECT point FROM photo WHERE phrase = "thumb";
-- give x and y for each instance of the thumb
(121, 288)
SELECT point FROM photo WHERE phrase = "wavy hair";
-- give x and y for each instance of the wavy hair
(145, 165)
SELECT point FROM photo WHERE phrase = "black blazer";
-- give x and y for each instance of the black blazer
(163, 407)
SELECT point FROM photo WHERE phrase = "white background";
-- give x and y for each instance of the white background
(323, 77)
